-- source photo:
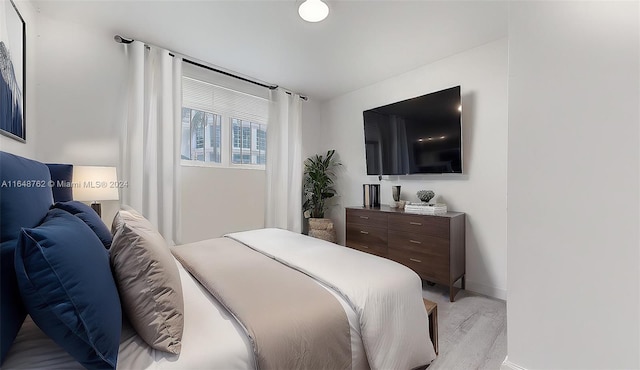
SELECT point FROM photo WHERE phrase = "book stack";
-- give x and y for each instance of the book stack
(371, 195)
(426, 208)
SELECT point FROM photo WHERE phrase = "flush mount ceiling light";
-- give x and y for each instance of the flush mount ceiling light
(313, 10)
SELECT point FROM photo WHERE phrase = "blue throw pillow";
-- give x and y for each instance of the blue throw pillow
(25, 198)
(66, 284)
(90, 217)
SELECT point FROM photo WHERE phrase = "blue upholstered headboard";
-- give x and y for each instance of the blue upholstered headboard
(61, 175)
(25, 197)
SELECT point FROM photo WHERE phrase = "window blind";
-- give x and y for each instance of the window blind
(216, 93)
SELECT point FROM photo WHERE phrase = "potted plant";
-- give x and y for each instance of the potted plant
(318, 188)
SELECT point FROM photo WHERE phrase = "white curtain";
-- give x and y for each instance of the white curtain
(284, 162)
(150, 139)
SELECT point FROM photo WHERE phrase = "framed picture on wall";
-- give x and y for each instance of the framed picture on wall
(12, 72)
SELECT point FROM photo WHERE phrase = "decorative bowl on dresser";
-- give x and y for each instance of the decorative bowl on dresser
(432, 246)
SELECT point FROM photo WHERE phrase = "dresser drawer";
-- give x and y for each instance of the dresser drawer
(420, 224)
(375, 251)
(368, 218)
(419, 244)
(432, 268)
(367, 239)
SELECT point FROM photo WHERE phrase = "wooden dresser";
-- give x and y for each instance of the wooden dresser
(432, 246)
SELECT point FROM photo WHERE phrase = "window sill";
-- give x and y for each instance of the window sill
(188, 163)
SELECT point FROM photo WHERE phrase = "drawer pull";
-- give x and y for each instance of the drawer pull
(364, 217)
(415, 242)
(416, 223)
(364, 232)
(414, 260)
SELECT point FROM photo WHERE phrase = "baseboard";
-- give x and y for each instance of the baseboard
(508, 365)
(486, 290)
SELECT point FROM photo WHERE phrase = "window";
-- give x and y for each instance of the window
(246, 137)
(201, 136)
(262, 139)
(237, 137)
(221, 125)
(248, 147)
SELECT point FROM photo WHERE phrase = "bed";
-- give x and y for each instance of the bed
(381, 300)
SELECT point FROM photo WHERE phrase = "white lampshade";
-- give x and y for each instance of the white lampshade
(313, 10)
(94, 183)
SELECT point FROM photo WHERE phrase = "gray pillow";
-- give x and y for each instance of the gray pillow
(128, 213)
(148, 282)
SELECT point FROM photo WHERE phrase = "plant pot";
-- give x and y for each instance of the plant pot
(322, 228)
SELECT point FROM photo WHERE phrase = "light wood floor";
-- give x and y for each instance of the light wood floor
(472, 331)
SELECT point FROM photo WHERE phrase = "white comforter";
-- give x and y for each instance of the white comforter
(386, 296)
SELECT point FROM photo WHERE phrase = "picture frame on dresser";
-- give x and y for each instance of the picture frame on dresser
(12, 72)
(431, 245)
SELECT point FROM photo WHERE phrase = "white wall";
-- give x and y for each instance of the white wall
(573, 185)
(80, 96)
(27, 149)
(480, 192)
(312, 128)
(216, 201)
(80, 93)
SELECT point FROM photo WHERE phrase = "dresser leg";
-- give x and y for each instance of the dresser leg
(454, 290)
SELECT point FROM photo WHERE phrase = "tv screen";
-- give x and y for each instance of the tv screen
(419, 135)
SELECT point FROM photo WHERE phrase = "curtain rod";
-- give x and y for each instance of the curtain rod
(121, 40)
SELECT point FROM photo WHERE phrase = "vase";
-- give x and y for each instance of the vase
(322, 228)
(425, 195)
(396, 192)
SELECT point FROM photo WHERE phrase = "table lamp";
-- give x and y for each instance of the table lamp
(93, 184)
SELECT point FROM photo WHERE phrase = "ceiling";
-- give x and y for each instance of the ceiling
(360, 43)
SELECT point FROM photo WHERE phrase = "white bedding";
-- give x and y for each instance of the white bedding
(212, 339)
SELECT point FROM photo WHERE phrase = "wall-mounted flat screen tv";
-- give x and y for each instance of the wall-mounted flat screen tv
(415, 136)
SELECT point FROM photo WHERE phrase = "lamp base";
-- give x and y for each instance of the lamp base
(97, 207)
